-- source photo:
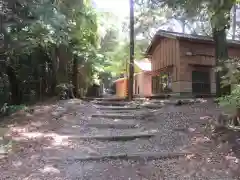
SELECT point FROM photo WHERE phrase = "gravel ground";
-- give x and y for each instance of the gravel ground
(44, 143)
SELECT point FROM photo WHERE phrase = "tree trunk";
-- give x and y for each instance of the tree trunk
(55, 64)
(16, 93)
(221, 54)
(131, 64)
(236, 117)
(75, 77)
(234, 24)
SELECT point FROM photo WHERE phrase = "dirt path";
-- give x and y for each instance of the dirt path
(70, 140)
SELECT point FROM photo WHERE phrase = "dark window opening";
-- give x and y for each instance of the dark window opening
(162, 83)
(135, 86)
(201, 82)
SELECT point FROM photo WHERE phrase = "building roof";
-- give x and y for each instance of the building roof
(177, 35)
(144, 65)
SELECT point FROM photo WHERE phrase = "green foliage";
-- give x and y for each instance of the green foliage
(232, 68)
(217, 10)
(119, 57)
(232, 77)
(231, 101)
(63, 90)
(7, 110)
(34, 36)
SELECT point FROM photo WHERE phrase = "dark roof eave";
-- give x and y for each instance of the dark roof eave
(210, 41)
(149, 49)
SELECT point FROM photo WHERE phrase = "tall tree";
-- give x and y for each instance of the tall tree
(65, 34)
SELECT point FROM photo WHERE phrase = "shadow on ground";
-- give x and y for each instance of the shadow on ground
(43, 142)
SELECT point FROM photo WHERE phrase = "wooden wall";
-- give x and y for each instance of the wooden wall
(144, 82)
(172, 52)
(203, 55)
(122, 87)
(165, 54)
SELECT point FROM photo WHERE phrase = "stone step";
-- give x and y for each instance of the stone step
(127, 156)
(117, 108)
(111, 103)
(177, 101)
(152, 106)
(125, 112)
(114, 126)
(117, 124)
(111, 99)
(114, 116)
(118, 137)
(104, 99)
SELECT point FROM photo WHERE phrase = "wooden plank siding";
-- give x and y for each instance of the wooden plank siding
(165, 55)
(203, 55)
(234, 52)
(174, 68)
(165, 59)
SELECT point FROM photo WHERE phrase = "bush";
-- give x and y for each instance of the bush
(232, 77)
(231, 101)
(231, 104)
(7, 110)
(65, 91)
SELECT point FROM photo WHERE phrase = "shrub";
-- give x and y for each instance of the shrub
(65, 91)
(232, 77)
(231, 101)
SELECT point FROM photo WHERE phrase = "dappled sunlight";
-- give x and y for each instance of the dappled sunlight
(191, 129)
(202, 100)
(65, 118)
(28, 135)
(43, 108)
(39, 123)
(76, 126)
(200, 140)
(205, 117)
(212, 155)
(190, 156)
(44, 151)
(17, 163)
(50, 169)
(230, 157)
(74, 101)
(15, 131)
(53, 138)
(59, 140)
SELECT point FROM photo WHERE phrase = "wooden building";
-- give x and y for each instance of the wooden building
(121, 87)
(183, 64)
(142, 86)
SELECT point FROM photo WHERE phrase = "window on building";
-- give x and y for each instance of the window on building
(153, 84)
(135, 87)
(162, 83)
(166, 82)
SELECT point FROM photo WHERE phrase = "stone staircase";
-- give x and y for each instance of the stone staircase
(116, 132)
